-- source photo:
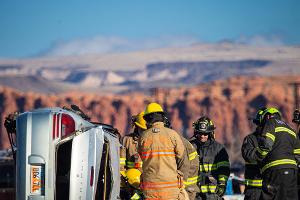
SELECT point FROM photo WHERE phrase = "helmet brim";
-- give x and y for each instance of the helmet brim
(206, 131)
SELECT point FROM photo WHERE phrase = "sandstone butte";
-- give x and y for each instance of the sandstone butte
(228, 102)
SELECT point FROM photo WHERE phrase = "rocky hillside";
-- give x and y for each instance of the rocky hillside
(228, 102)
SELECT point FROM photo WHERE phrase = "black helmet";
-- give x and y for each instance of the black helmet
(256, 119)
(296, 116)
(204, 125)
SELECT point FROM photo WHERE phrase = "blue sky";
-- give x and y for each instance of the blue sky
(50, 28)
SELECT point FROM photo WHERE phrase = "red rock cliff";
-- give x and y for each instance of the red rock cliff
(229, 103)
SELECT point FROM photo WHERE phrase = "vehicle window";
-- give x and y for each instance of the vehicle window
(104, 180)
(63, 166)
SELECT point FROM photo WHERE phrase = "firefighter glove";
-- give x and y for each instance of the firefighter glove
(220, 191)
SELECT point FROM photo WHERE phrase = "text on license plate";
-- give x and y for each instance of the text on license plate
(37, 179)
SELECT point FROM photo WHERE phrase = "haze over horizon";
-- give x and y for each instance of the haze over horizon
(55, 28)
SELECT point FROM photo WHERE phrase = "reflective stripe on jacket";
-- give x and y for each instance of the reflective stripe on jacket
(253, 182)
(253, 177)
(277, 145)
(131, 157)
(122, 160)
(190, 172)
(208, 188)
(214, 165)
(163, 155)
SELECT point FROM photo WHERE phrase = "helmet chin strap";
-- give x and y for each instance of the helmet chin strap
(136, 131)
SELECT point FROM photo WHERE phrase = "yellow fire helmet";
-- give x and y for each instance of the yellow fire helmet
(139, 121)
(271, 111)
(152, 108)
(133, 177)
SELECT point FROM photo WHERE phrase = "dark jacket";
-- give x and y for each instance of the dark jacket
(214, 165)
(277, 146)
(253, 176)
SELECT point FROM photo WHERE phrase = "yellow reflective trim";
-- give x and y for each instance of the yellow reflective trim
(193, 178)
(211, 167)
(279, 162)
(208, 188)
(191, 181)
(206, 167)
(131, 164)
(193, 155)
(284, 129)
(261, 152)
(122, 161)
(223, 178)
(223, 164)
(271, 136)
(253, 182)
(296, 151)
(123, 173)
(135, 197)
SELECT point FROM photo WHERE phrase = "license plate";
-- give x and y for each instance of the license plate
(37, 180)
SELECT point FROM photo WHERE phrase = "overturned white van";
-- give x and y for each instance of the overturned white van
(62, 156)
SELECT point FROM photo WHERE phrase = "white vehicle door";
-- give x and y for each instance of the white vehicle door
(86, 156)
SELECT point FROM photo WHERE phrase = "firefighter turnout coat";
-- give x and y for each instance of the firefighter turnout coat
(277, 145)
(214, 165)
(277, 152)
(191, 172)
(163, 155)
(253, 179)
(297, 155)
(129, 155)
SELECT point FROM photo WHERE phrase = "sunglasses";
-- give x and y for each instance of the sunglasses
(202, 133)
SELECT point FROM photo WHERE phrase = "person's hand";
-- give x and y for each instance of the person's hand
(220, 191)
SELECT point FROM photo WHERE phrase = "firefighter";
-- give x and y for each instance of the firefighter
(213, 161)
(253, 180)
(296, 120)
(129, 157)
(131, 181)
(276, 156)
(190, 173)
(163, 155)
